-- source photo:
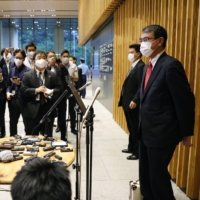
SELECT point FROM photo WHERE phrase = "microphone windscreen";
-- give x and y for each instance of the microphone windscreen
(6, 155)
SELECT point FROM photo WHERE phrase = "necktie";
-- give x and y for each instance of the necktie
(148, 74)
(40, 78)
(42, 100)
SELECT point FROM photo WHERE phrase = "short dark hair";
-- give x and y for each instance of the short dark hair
(40, 179)
(82, 61)
(38, 52)
(158, 30)
(2, 51)
(19, 51)
(31, 44)
(136, 47)
(50, 52)
(64, 51)
(74, 58)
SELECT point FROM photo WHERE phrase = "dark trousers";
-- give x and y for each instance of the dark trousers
(62, 108)
(33, 126)
(84, 79)
(15, 110)
(72, 113)
(2, 115)
(153, 173)
(132, 120)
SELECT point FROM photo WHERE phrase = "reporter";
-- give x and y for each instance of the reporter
(40, 179)
(13, 90)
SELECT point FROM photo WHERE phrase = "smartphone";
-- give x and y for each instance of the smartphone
(61, 164)
(14, 77)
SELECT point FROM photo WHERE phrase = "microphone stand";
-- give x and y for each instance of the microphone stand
(46, 116)
(89, 150)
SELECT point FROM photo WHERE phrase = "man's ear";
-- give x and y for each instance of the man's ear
(161, 41)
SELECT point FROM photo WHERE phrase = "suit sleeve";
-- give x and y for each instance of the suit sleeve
(136, 98)
(183, 98)
(26, 90)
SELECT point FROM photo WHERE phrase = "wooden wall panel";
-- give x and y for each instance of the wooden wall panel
(92, 14)
(181, 18)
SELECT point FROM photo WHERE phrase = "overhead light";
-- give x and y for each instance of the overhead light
(46, 27)
(26, 28)
(43, 10)
(35, 22)
(6, 16)
(32, 28)
(77, 27)
(32, 15)
(71, 28)
(53, 15)
(38, 25)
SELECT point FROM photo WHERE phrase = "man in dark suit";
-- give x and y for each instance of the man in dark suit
(130, 98)
(62, 74)
(39, 88)
(166, 114)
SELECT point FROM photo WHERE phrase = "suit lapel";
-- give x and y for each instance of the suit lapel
(46, 75)
(154, 74)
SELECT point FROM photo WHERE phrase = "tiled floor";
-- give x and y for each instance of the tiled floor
(111, 170)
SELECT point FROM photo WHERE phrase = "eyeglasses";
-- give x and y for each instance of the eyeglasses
(145, 39)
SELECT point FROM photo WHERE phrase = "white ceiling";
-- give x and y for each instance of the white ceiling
(39, 9)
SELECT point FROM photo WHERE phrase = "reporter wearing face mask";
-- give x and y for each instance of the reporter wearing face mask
(5, 65)
(6, 60)
(130, 98)
(73, 75)
(39, 88)
(61, 72)
(30, 51)
(13, 89)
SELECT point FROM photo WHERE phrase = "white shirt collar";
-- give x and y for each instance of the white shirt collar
(135, 63)
(37, 71)
(155, 59)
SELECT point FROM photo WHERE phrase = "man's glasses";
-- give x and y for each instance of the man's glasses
(145, 39)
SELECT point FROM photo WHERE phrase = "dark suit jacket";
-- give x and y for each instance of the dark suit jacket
(28, 86)
(11, 86)
(131, 87)
(167, 104)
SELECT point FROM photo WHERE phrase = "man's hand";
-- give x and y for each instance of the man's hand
(9, 95)
(187, 141)
(41, 89)
(16, 81)
(132, 105)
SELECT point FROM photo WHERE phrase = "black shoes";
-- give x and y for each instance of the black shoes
(74, 131)
(132, 157)
(126, 151)
(57, 129)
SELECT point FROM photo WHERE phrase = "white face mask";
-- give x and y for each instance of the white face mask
(71, 63)
(131, 57)
(145, 48)
(31, 54)
(18, 62)
(41, 63)
(65, 60)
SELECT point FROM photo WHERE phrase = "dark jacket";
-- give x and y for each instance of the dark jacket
(167, 104)
(28, 86)
(131, 86)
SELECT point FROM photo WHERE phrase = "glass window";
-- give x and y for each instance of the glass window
(47, 34)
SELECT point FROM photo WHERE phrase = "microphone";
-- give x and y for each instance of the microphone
(84, 86)
(97, 91)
